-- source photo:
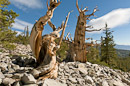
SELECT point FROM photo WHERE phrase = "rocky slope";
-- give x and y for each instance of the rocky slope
(15, 67)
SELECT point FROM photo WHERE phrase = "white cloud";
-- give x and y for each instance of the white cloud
(24, 4)
(18, 32)
(19, 24)
(113, 19)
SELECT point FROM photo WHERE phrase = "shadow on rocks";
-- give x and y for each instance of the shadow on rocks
(24, 61)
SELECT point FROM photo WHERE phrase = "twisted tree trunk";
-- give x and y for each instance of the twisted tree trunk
(36, 33)
(44, 48)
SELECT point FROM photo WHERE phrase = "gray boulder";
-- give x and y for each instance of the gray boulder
(30, 85)
(35, 73)
(3, 66)
(28, 79)
(118, 83)
(17, 75)
(0, 80)
(51, 82)
(105, 83)
(8, 81)
(17, 84)
(72, 80)
(8, 75)
(126, 81)
(88, 79)
(2, 75)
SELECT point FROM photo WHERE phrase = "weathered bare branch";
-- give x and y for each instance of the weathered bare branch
(85, 9)
(47, 5)
(88, 18)
(71, 38)
(54, 4)
(52, 25)
(92, 14)
(77, 6)
(95, 9)
(62, 25)
(56, 33)
(65, 24)
(67, 36)
(87, 38)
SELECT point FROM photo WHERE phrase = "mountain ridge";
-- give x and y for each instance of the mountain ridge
(123, 47)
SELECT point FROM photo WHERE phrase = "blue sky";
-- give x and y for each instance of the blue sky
(115, 12)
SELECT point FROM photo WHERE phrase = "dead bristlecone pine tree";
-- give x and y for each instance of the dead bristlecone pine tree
(44, 48)
(78, 52)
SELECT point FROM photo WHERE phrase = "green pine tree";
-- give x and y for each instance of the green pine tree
(27, 32)
(23, 38)
(24, 32)
(93, 55)
(27, 36)
(108, 52)
(7, 17)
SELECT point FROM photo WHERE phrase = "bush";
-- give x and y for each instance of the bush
(8, 45)
(62, 52)
(123, 64)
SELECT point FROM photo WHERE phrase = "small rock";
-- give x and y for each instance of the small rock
(117, 83)
(104, 83)
(126, 81)
(1, 75)
(8, 75)
(62, 65)
(17, 84)
(0, 80)
(73, 80)
(60, 69)
(83, 71)
(7, 81)
(39, 83)
(88, 79)
(35, 73)
(81, 65)
(101, 75)
(31, 85)
(66, 67)
(15, 67)
(3, 66)
(118, 77)
(28, 79)
(71, 67)
(17, 76)
(11, 70)
(5, 54)
(63, 81)
(88, 63)
(110, 82)
(80, 81)
(95, 65)
(51, 82)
